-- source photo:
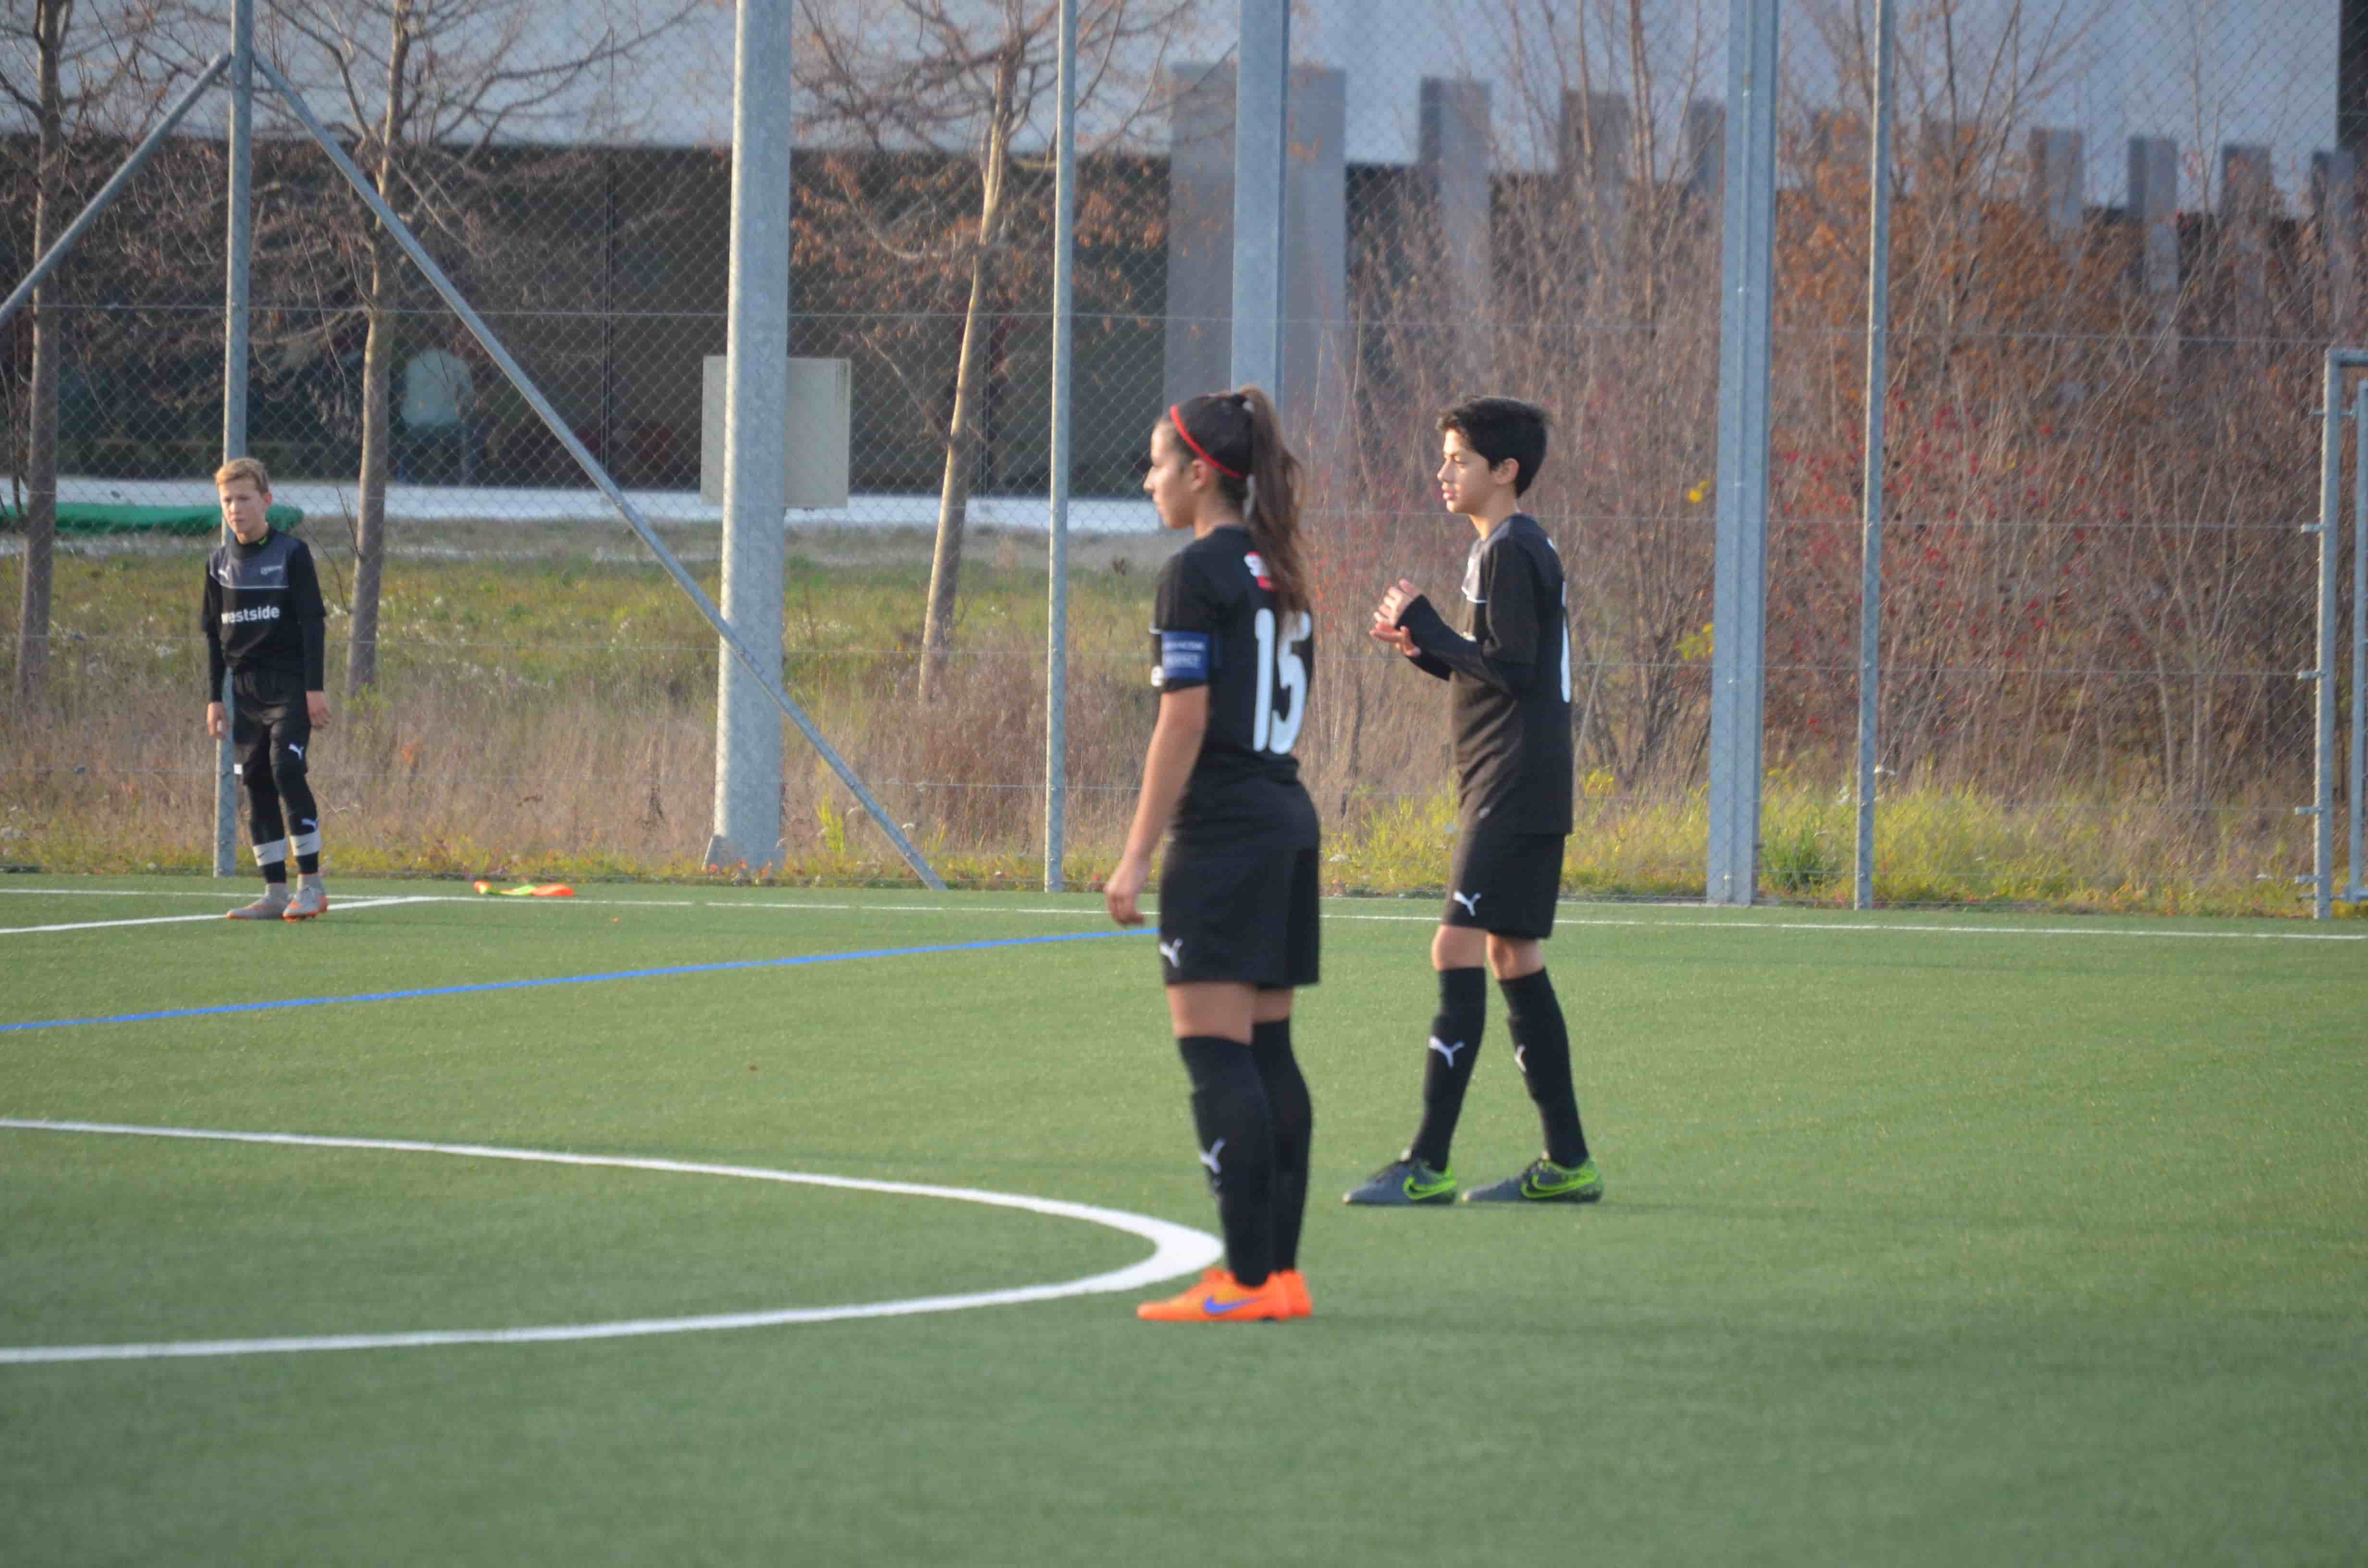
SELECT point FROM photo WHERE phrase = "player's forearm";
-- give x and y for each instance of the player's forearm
(1167, 768)
(316, 654)
(210, 627)
(312, 617)
(1441, 644)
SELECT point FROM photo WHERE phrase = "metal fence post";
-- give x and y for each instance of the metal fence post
(1056, 607)
(1261, 152)
(2330, 539)
(1878, 384)
(238, 253)
(1738, 650)
(2332, 414)
(2358, 889)
(747, 727)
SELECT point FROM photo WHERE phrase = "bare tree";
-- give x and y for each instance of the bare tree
(435, 94)
(950, 88)
(87, 73)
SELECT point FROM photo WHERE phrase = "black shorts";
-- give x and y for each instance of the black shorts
(1246, 916)
(1504, 883)
(268, 716)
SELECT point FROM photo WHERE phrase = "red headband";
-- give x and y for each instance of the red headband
(1176, 417)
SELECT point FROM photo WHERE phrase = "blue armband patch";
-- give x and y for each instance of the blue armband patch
(1184, 656)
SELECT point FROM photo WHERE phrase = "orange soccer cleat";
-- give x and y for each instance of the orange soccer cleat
(1219, 1298)
(1295, 1292)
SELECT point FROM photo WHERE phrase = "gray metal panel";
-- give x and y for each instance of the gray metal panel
(748, 817)
(1261, 153)
(2335, 190)
(1316, 332)
(1455, 160)
(2249, 200)
(1596, 136)
(1199, 321)
(2154, 207)
(1738, 656)
(2058, 168)
(1705, 152)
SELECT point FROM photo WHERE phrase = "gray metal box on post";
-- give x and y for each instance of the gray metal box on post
(815, 437)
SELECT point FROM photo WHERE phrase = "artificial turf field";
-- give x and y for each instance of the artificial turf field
(1941, 1238)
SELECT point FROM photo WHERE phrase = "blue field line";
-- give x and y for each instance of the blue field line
(571, 979)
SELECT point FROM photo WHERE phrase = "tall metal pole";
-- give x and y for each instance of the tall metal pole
(239, 250)
(2332, 415)
(2330, 539)
(755, 406)
(1056, 608)
(1878, 395)
(1261, 155)
(2359, 780)
(1739, 607)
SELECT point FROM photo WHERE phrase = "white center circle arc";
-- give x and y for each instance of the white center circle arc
(1177, 1250)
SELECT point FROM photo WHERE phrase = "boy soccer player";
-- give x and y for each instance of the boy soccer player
(264, 623)
(1509, 684)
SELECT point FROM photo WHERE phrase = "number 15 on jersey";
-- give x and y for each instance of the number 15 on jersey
(1281, 682)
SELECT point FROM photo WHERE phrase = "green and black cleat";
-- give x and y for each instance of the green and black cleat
(1403, 1183)
(1543, 1182)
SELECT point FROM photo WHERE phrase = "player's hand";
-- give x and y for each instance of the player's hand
(1124, 888)
(1398, 637)
(1393, 603)
(317, 709)
(217, 722)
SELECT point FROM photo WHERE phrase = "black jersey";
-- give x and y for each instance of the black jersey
(263, 612)
(1217, 624)
(1508, 680)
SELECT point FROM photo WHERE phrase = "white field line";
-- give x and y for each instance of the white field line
(1177, 1250)
(344, 908)
(1839, 926)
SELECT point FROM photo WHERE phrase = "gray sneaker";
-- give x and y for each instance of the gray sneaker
(1403, 1183)
(268, 907)
(1544, 1182)
(312, 899)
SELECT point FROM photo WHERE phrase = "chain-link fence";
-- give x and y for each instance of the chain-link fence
(2124, 232)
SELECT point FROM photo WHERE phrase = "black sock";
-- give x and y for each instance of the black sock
(1446, 1061)
(1293, 1116)
(307, 864)
(1541, 1048)
(1229, 1109)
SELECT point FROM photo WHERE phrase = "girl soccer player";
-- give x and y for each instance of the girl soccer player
(1234, 643)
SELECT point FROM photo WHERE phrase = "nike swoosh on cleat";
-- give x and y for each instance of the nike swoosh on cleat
(1414, 1191)
(1210, 1306)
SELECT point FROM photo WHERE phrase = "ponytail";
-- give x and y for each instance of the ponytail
(1240, 436)
(1273, 503)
